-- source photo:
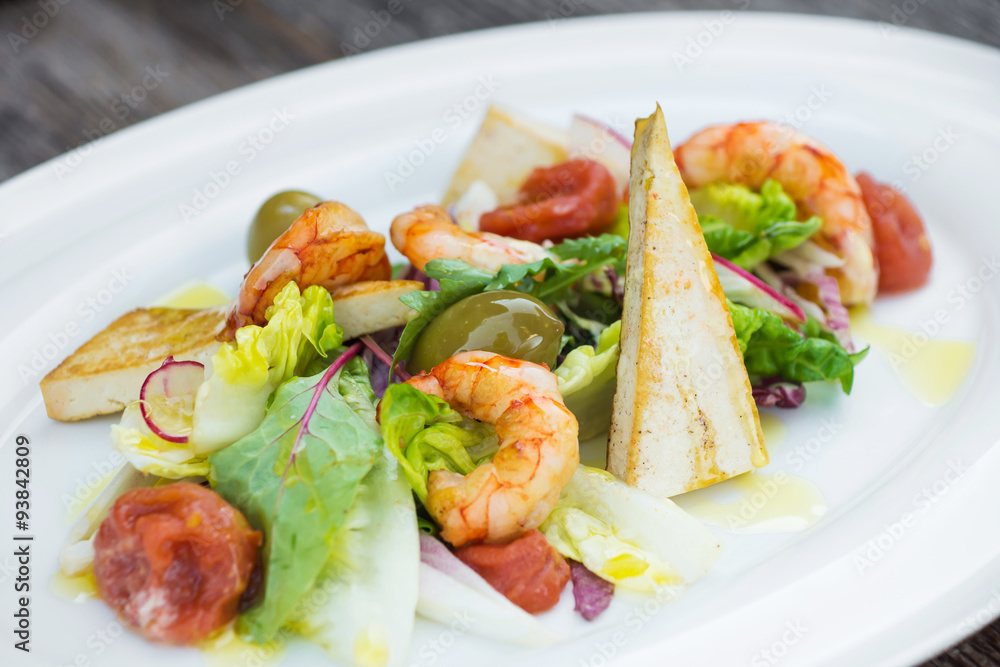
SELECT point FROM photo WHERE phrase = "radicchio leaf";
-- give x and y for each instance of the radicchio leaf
(591, 593)
(777, 393)
(838, 320)
(380, 361)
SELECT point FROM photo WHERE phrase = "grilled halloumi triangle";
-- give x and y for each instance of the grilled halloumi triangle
(505, 150)
(106, 373)
(684, 416)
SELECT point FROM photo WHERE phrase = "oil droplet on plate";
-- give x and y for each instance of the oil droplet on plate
(76, 588)
(371, 648)
(194, 295)
(932, 370)
(757, 502)
(227, 649)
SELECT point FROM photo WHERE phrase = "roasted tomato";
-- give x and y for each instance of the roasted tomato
(571, 199)
(173, 561)
(901, 245)
(528, 571)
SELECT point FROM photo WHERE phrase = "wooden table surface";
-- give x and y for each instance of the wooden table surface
(69, 69)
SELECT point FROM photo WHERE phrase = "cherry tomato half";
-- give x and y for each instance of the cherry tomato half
(571, 199)
(902, 246)
(528, 571)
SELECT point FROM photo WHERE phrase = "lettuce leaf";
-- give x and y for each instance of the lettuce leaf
(743, 208)
(296, 477)
(423, 433)
(583, 537)
(547, 279)
(362, 607)
(151, 454)
(77, 553)
(746, 227)
(587, 382)
(232, 401)
(771, 349)
(628, 537)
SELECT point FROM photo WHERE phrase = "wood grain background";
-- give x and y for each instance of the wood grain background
(74, 70)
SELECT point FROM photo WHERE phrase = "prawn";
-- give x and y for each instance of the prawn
(428, 232)
(539, 447)
(328, 245)
(820, 184)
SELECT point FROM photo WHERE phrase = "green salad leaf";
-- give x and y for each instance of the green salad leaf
(547, 279)
(362, 607)
(456, 280)
(149, 453)
(772, 348)
(232, 401)
(620, 226)
(747, 227)
(626, 536)
(296, 476)
(423, 433)
(587, 382)
(742, 207)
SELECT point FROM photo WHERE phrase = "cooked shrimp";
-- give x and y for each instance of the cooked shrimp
(539, 448)
(328, 245)
(428, 232)
(815, 178)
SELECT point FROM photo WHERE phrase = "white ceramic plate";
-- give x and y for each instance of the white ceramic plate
(902, 562)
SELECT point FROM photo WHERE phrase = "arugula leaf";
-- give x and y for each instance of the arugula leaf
(594, 251)
(746, 227)
(296, 477)
(545, 279)
(455, 283)
(771, 348)
(548, 279)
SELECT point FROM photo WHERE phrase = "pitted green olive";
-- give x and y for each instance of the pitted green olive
(506, 322)
(274, 217)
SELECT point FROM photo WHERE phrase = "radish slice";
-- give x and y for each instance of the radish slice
(746, 288)
(167, 398)
(596, 141)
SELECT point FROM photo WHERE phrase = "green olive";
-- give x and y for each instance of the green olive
(506, 322)
(274, 217)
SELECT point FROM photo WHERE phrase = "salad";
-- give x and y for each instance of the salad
(353, 443)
